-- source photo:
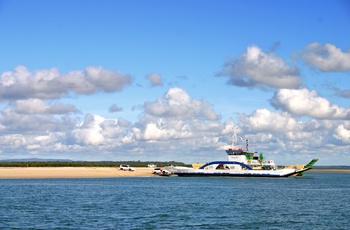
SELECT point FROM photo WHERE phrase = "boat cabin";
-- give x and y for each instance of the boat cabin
(243, 156)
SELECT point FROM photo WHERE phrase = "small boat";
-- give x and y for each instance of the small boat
(241, 163)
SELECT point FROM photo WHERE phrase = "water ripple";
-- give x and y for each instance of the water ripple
(316, 201)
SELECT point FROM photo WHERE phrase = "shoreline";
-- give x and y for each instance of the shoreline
(71, 172)
(330, 170)
(92, 172)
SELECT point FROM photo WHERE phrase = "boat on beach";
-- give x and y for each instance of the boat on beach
(241, 163)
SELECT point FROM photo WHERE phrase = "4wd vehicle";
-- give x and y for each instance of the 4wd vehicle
(126, 168)
(161, 172)
(157, 170)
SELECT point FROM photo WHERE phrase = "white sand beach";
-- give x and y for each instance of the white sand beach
(71, 172)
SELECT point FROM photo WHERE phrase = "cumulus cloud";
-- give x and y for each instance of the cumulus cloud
(165, 121)
(327, 58)
(176, 122)
(282, 135)
(172, 127)
(177, 103)
(155, 79)
(342, 132)
(155, 131)
(258, 69)
(265, 120)
(97, 131)
(50, 84)
(90, 131)
(303, 102)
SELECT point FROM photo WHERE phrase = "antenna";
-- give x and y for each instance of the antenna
(234, 138)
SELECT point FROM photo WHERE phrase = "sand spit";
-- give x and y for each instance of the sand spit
(71, 172)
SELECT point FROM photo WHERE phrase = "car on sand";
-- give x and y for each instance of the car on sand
(126, 168)
(161, 171)
(157, 170)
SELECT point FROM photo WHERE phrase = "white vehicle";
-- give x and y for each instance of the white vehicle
(126, 168)
(157, 170)
(165, 172)
(161, 171)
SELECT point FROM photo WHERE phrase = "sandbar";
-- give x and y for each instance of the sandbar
(71, 172)
(331, 170)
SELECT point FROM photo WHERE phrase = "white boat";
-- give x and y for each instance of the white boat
(241, 163)
(231, 170)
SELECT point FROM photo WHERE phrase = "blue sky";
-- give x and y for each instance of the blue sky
(168, 80)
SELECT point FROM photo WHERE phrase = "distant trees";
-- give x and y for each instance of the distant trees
(87, 163)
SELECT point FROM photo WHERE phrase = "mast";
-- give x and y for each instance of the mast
(246, 144)
(234, 138)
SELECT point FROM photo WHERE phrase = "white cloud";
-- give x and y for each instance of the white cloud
(48, 84)
(156, 132)
(176, 116)
(106, 80)
(14, 141)
(265, 120)
(155, 79)
(59, 108)
(303, 102)
(282, 136)
(30, 143)
(177, 103)
(33, 123)
(163, 133)
(342, 132)
(89, 132)
(37, 106)
(326, 57)
(258, 69)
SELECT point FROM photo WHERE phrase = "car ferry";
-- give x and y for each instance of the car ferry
(241, 163)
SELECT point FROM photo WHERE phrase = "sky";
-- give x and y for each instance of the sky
(156, 80)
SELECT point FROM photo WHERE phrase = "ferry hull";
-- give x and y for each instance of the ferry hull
(243, 173)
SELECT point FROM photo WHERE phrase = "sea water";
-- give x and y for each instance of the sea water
(314, 201)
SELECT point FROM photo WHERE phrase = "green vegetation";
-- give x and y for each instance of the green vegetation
(87, 163)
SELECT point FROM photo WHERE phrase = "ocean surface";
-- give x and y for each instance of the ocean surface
(314, 201)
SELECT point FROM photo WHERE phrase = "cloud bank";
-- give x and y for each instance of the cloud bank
(174, 126)
(50, 84)
(303, 102)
